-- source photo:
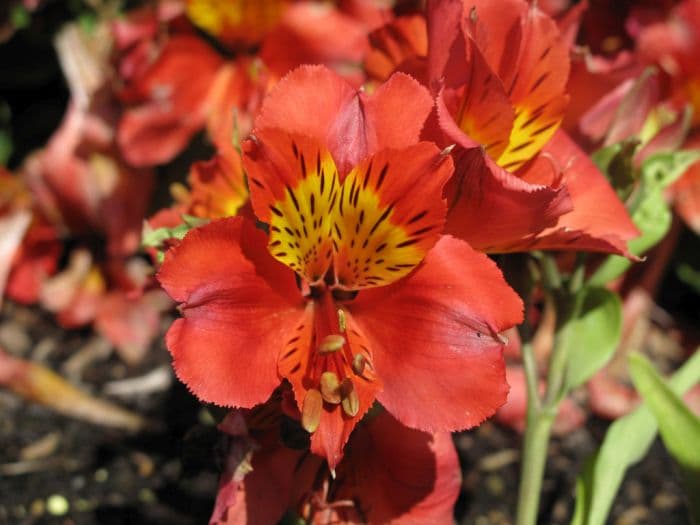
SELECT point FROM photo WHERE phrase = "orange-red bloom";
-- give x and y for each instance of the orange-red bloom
(354, 295)
(500, 70)
(390, 474)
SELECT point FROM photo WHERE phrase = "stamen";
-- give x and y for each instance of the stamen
(311, 410)
(350, 400)
(358, 364)
(331, 343)
(341, 320)
(330, 388)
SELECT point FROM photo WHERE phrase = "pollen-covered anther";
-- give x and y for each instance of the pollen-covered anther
(330, 388)
(311, 410)
(350, 400)
(331, 343)
(342, 323)
(358, 364)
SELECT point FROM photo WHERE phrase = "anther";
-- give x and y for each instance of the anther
(331, 343)
(311, 410)
(358, 364)
(341, 320)
(330, 387)
(350, 400)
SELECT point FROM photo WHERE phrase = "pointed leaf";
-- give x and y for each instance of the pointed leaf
(678, 426)
(593, 336)
(626, 442)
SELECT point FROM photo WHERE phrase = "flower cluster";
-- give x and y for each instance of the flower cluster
(338, 261)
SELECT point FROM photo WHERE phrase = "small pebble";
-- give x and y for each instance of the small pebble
(19, 511)
(498, 460)
(101, 475)
(83, 505)
(37, 507)
(665, 501)
(495, 484)
(633, 516)
(77, 483)
(634, 491)
(146, 495)
(57, 505)
(14, 338)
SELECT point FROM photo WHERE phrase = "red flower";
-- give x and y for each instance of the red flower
(501, 71)
(390, 474)
(386, 307)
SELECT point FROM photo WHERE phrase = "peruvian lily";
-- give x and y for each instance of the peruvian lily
(500, 72)
(353, 295)
(390, 474)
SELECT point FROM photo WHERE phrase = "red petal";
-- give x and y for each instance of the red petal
(399, 475)
(131, 324)
(294, 103)
(351, 124)
(225, 347)
(294, 186)
(152, 134)
(495, 211)
(432, 329)
(480, 107)
(400, 45)
(13, 228)
(389, 214)
(317, 33)
(686, 194)
(599, 221)
(174, 100)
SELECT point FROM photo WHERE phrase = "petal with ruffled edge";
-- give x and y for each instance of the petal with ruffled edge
(398, 475)
(495, 211)
(234, 320)
(599, 221)
(434, 338)
(351, 124)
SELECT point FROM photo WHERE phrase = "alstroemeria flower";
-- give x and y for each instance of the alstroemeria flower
(500, 70)
(390, 475)
(386, 307)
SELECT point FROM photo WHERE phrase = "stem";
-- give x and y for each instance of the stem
(539, 426)
(541, 414)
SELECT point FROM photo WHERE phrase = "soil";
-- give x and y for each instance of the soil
(78, 473)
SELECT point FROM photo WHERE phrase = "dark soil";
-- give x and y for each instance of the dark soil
(83, 474)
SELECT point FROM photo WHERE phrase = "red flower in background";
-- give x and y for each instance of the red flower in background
(502, 70)
(390, 474)
(354, 208)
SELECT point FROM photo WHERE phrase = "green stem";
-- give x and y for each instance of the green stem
(539, 426)
(541, 414)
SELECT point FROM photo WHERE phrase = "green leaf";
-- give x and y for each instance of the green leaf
(157, 238)
(5, 147)
(648, 208)
(678, 426)
(653, 218)
(592, 336)
(689, 276)
(662, 169)
(625, 443)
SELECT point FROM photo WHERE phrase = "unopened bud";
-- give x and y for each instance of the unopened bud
(311, 410)
(330, 387)
(350, 400)
(331, 343)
